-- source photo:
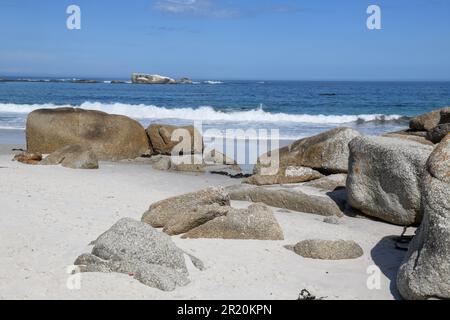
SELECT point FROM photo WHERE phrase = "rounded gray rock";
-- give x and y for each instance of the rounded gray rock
(425, 272)
(137, 249)
(384, 177)
(326, 152)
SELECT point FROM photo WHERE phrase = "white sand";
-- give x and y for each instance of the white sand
(48, 216)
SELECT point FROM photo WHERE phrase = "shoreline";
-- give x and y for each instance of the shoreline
(12, 137)
(15, 138)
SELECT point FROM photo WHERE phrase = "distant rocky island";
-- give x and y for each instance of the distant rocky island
(141, 78)
(136, 78)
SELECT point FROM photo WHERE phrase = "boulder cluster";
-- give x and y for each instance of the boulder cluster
(401, 178)
(433, 126)
(208, 214)
(79, 139)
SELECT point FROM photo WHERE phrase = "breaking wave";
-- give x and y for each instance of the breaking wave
(207, 113)
(212, 82)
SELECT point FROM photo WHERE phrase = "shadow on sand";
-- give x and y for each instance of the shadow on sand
(388, 259)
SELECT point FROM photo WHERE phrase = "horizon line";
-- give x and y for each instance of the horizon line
(78, 77)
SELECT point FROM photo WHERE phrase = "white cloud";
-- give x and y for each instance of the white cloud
(205, 8)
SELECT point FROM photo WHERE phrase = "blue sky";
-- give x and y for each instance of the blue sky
(228, 39)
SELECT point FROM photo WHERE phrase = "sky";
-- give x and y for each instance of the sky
(227, 39)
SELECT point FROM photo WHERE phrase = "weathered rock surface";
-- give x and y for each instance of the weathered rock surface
(425, 272)
(327, 152)
(161, 162)
(191, 167)
(164, 138)
(426, 122)
(328, 250)
(28, 158)
(110, 137)
(72, 156)
(445, 116)
(410, 137)
(384, 176)
(439, 132)
(161, 213)
(332, 182)
(285, 176)
(135, 248)
(257, 222)
(215, 157)
(435, 123)
(195, 217)
(286, 198)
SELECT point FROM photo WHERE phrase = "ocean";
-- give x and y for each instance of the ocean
(296, 108)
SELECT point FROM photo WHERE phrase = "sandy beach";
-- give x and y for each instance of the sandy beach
(51, 214)
(212, 152)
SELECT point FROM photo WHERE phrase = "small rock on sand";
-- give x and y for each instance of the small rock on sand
(74, 157)
(28, 158)
(328, 250)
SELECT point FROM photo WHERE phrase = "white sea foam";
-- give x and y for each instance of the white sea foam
(12, 128)
(205, 113)
(212, 82)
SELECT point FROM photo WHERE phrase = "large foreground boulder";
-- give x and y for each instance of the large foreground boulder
(110, 137)
(257, 222)
(384, 177)
(425, 272)
(135, 248)
(288, 198)
(327, 152)
(164, 138)
(161, 213)
(328, 250)
(74, 157)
